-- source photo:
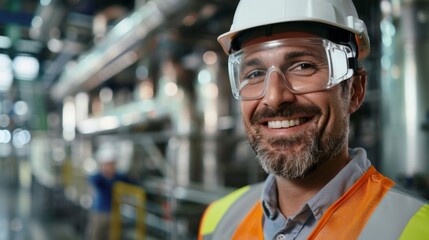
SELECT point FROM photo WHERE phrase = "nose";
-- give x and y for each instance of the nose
(277, 92)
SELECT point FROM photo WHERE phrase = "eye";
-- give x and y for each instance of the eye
(304, 68)
(255, 75)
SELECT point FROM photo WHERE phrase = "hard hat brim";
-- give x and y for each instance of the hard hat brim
(362, 40)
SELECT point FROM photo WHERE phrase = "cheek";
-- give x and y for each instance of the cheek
(338, 112)
(331, 106)
(247, 110)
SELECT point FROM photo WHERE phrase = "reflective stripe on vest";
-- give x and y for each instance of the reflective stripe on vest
(392, 215)
(417, 228)
(368, 210)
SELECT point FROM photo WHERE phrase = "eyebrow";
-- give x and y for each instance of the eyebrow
(297, 54)
(287, 57)
(252, 62)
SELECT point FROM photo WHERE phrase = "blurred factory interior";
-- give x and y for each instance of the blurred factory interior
(149, 77)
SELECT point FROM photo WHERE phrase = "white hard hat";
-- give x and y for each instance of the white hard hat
(106, 153)
(338, 13)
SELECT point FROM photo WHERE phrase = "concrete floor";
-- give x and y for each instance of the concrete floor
(19, 221)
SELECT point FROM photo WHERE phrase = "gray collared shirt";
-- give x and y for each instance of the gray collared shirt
(278, 227)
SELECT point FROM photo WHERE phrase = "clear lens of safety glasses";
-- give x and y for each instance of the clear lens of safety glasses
(303, 64)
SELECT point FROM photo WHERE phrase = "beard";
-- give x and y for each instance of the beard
(295, 157)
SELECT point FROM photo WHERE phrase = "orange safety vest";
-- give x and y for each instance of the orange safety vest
(359, 201)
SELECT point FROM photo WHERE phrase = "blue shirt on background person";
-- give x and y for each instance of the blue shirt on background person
(103, 187)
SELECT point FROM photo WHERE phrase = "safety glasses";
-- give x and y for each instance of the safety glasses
(302, 64)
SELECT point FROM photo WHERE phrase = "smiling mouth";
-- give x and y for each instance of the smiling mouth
(287, 123)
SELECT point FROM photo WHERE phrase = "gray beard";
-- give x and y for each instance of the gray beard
(276, 157)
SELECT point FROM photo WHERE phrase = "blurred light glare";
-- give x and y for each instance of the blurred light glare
(89, 165)
(45, 2)
(5, 63)
(55, 45)
(58, 154)
(391, 29)
(69, 119)
(82, 106)
(20, 108)
(5, 42)
(109, 123)
(387, 41)
(204, 77)
(58, 150)
(4, 120)
(212, 91)
(123, 27)
(146, 90)
(26, 67)
(190, 19)
(171, 89)
(386, 63)
(37, 22)
(5, 136)
(210, 57)
(85, 201)
(34, 33)
(209, 10)
(106, 95)
(88, 126)
(386, 7)
(6, 77)
(142, 72)
(20, 138)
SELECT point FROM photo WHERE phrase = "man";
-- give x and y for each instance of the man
(103, 182)
(294, 67)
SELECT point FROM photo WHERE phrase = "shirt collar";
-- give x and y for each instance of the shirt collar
(330, 193)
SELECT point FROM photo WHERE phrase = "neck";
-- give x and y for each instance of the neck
(293, 194)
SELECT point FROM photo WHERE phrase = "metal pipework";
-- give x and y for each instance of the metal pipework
(405, 103)
(117, 43)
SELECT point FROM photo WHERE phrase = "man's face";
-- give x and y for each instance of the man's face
(108, 169)
(293, 134)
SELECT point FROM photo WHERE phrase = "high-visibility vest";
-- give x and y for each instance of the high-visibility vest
(373, 208)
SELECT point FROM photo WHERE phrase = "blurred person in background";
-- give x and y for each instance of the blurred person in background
(103, 181)
(295, 67)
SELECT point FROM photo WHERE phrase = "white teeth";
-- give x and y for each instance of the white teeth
(297, 122)
(284, 123)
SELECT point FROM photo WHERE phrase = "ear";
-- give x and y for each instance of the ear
(358, 90)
